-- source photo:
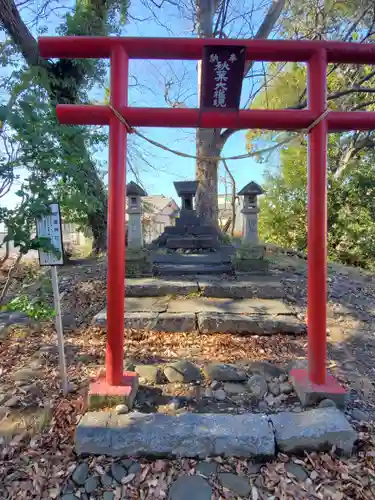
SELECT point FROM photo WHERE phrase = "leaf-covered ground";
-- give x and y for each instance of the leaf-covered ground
(37, 459)
(37, 423)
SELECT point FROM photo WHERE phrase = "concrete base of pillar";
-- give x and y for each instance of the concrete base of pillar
(311, 394)
(101, 395)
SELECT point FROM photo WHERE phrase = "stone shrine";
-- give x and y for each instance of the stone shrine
(189, 233)
(250, 212)
(192, 246)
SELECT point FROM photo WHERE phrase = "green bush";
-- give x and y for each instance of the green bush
(36, 309)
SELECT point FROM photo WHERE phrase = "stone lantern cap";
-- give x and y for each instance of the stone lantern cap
(133, 189)
(184, 188)
(251, 189)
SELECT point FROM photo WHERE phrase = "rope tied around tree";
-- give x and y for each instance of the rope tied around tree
(132, 130)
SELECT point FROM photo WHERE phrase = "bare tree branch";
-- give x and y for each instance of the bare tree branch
(6, 255)
(363, 105)
(357, 143)
(8, 281)
(267, 26)
(341, 93)
(233, 194)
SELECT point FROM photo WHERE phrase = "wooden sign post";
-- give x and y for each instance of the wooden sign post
(49, 226)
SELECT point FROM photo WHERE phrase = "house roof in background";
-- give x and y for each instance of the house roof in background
(157, 203)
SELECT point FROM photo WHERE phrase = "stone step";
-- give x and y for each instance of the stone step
(154, 287)
(245, 317)
(192, 242)
(261, 287)
(190, 230)
(210, 258)
(194, 435)
(191, 269)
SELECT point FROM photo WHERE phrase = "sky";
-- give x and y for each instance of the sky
(157, 168)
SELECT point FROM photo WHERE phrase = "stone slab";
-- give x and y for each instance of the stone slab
(262, 287)
(313, 430)
(256, 324)
(93, 434)
(176, 322)
(153, 287)
(187, 219)
(190, 242)
(191, 269)
(141, 320)
(311, 394)
(232, 306)
(191, 259)
(146, 304)
(187, 435)
(251, 266)
(192, 230)
(136, 320)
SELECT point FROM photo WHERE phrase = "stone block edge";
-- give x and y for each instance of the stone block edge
(82, 448)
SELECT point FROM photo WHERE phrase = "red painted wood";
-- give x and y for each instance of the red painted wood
(279, 119)
(116, 222)
(317, 223)
(192, 48)
(173, 117)
(352, 120)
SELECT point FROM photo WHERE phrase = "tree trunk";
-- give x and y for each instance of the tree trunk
(206, 175)
(98, 223)
(206, 170)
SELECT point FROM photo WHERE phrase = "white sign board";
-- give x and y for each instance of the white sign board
(49, 226)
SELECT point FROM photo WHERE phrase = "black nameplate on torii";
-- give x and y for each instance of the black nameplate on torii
(222, 75)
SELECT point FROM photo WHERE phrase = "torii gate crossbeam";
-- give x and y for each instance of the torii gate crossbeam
(317, 54)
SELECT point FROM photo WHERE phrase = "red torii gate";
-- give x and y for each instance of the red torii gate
(317, 54)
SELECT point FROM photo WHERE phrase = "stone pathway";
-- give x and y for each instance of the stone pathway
(208, 315)
(243, 287)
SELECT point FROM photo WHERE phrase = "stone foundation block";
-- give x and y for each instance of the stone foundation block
(314, 430)
(102, 395)
(187, 435)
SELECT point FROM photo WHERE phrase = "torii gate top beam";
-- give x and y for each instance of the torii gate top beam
(71, 47)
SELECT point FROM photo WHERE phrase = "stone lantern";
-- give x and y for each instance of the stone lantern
(250, 212)
(135, 232)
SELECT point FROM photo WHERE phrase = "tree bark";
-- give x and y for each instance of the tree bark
(207, 176)
(8, 282)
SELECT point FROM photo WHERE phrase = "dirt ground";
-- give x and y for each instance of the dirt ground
(37, 430)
